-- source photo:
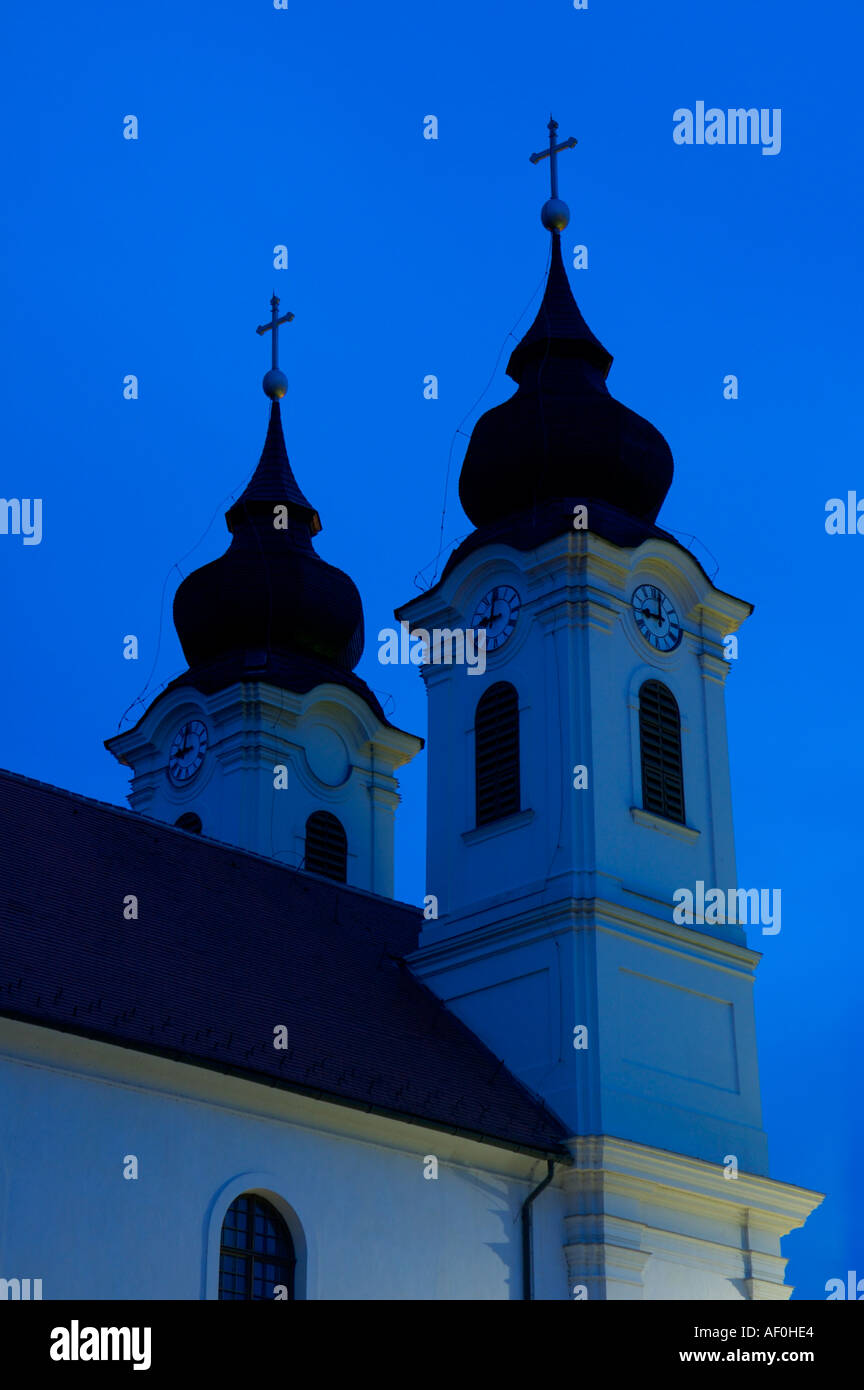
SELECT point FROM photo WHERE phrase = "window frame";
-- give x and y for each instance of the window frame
(250, 1255)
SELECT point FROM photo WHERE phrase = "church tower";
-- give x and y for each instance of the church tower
(574, 789)
(269, 740)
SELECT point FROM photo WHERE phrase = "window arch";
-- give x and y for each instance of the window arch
(660, 745)
(256, 1252)
(326, 846)
(191, 821)
(496, 753)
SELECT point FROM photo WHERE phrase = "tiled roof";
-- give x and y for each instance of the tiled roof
(228, 945)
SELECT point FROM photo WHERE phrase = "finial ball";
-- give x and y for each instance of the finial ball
(275, 384)
(555, 215)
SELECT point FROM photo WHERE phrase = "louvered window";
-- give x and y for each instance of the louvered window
(326, 847)
(496, 745)
(660, 741)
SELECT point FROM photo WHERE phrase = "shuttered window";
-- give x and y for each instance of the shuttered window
(496, 753)
(326, 847)
(660, 742)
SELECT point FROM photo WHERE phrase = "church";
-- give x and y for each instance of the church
(233, 1067)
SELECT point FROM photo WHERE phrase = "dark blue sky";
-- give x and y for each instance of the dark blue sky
(409, 257)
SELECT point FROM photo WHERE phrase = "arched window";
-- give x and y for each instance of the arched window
(326, 847)
(660, 743)
(256, 1252)
(496, 753)
(190, 821)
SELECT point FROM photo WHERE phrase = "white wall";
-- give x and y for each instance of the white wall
(561, 916)
(626, 1221)
(338, 757)
(352, 1188)
(577, 661)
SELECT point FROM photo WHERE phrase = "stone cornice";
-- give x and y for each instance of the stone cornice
(581, 914)
(274, 711)
(689, 1184)
(572, 561)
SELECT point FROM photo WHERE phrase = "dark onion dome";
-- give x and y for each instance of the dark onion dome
(270, 602)
(561, 434)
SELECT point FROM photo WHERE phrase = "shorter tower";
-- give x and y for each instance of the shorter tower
(269, 740)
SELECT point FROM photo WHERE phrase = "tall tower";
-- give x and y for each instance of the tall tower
(269, 740)
(573, 789)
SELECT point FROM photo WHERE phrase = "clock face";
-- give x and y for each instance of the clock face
(496, 614)
(656, 618)
(187, 751)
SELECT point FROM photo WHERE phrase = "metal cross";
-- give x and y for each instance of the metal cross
(273, 326)
(552, 153)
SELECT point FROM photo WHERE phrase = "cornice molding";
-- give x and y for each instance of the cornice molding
(579, 914)
(688, 1184)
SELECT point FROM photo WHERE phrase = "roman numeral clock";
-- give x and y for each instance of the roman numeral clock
(188, 748)
(496, 615)
(656, 618)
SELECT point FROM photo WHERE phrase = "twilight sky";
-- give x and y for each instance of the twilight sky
(406, 257)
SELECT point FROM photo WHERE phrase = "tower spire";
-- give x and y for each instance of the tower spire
(270, 596)
(559, 326)
(554, 214)
(562, 437)
(273, 481)
(275, 382)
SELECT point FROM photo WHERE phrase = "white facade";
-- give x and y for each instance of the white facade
(365, 1222)
(577, 660)
(624, 1222)
(272, 758)
(555, 940)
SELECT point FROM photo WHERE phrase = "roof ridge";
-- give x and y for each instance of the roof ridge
(141, 818)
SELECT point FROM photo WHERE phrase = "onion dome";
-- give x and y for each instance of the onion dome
(561, 435)
(270, 602)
